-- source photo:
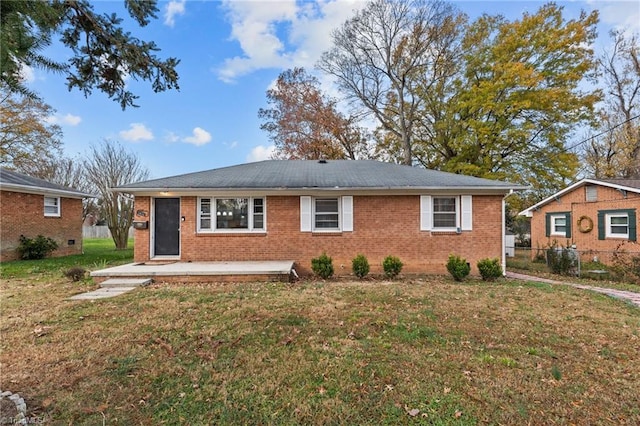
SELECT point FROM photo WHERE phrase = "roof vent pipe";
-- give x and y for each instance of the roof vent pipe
(322, 161)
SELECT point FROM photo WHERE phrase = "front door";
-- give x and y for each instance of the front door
(166, 227)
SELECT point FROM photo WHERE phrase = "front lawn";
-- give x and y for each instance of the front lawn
(99, 253)
(421, 351)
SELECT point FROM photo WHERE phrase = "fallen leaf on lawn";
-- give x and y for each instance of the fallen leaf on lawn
(447, 390)
(458, 414)
(413, 412)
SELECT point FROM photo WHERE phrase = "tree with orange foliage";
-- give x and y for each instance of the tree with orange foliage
(305, 124)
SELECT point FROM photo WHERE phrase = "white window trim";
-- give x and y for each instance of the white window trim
(313, 215)
(607, 228)
(464, 213)
(214, 230)
(552, 225)
(345, 214)
(45, 205)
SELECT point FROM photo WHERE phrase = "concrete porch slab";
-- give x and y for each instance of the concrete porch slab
(199, 270)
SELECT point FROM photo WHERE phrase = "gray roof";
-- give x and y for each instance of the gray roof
(631, 183)
(312, 174)
(18, 182)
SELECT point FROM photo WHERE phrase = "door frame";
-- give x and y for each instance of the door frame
(152, 225)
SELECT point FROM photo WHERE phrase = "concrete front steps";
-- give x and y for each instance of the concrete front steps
(113, 287)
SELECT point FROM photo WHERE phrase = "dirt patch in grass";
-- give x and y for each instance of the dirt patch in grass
(425, 351)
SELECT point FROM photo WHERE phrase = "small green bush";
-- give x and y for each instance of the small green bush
(36, 248)
(322, 266)
(360, 266)
(458, 267)
(75, 274)
(490, 269)
(560, 259)
(392, 266)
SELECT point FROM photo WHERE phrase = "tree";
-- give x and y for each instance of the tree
(66, 172)
(108, 166)
(615, 151)
(103, 56)
(380, 55)
(304, 123)
(26, 139)
(516, 100)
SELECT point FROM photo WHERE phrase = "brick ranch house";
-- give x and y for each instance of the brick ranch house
(599, 217)
(298, 209)
(32, 207)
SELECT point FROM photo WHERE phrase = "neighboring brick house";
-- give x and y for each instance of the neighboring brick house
(296, 210)
(32, 207)
(598, 217)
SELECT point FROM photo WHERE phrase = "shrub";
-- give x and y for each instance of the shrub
(560, 260)
(490, 269)
(36, 248)
(458, 267)
(360, 266)
(322, 266)
(75, 274)
(391, 266)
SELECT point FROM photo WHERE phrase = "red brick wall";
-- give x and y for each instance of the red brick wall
(23, 214)
(575, 202)
(383, 225)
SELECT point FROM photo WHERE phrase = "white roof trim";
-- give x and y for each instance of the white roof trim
(39, 190)
(529, 212)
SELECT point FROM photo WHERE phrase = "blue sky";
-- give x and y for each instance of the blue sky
(230, 53)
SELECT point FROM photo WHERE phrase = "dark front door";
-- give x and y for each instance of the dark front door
(167, 227)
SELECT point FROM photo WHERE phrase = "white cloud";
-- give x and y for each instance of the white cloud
(67, 119)
(199, 137)
(260, 153)
(137, 132)
(623, 15)
(281, 34)
(174, 8)
(27, 74)
(232, 145)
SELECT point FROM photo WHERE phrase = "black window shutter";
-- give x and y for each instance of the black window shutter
(632, 225)
(568, 224)
(601, 226)
(547, 225)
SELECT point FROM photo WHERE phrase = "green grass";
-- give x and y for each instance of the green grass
(98, 253)
(423, 351)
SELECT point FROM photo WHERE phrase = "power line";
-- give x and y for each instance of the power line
(609, 130)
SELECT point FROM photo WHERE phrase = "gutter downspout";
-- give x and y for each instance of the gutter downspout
(504, 235)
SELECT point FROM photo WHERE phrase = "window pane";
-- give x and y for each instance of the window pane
(446, 220)
(258, 213)
(205, 213)
(326, 214)
(621, 230)
(444, 205)
(232, 213)
(619, 220)
(444, 212)
(51, 206)
(327, 206)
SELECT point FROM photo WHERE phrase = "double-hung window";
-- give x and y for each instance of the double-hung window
(446, 213)
(619, 224)
(326, 214)
(52, 206)
(558, 224)
(239, 214)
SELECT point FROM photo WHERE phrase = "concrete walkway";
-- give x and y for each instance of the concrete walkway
(112, 288)
(630, 296)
